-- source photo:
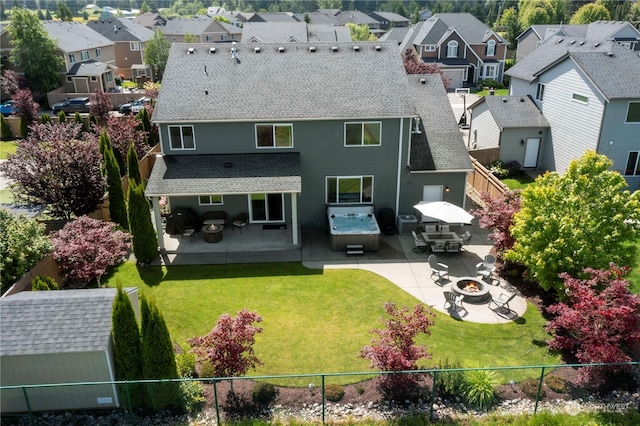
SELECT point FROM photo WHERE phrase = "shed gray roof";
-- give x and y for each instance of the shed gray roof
(513, 111)
(440, 146)
(248, 173)
(294, 85)
(608, 65)
(121, 29)
(74, 36)
(89, 68)
(44, 322)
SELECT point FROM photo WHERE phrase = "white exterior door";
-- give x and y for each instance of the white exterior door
(531, 152)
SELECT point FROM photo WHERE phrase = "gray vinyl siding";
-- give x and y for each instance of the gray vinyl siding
(56, 368)
(526, 45)
(625, 137)
(522, 87)
(511, 148)
(413, 183)
(484, 130)
(575, 127)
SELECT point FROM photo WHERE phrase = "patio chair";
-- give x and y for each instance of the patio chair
(466, 237)
(430, 228)
(502, 301)
(486, 267)
(443, 228)
(439, 247)
(419, 244)
(240, 221)
(453, 246)
(438, 269)
(453, 300)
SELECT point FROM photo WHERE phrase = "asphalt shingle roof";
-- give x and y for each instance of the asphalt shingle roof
(89, 68)
(228, 173)
(514, 111)
(74, 36)
(295, 84)
(182, 26)
(608, 65)
(274, 32)
(121, 29)
(44, 322)
(468, 26)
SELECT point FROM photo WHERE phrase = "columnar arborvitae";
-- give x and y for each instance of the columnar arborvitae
(127, 347)
(6, 134)
(145, 122)
(133, 165)
(145, 241)
(117, 204)
(62, 117)
(24, 127)
(45, 118)
(77, 118)
(158, 361)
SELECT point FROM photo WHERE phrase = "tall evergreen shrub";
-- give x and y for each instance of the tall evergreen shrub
(145, 241)
(117, 204)
(133, 165)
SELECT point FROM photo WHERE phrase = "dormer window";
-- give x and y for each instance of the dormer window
(452, 49)
(491, 48)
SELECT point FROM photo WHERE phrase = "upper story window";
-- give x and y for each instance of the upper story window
(633, 113)
(109, 76)
(452, 49)
(208, 38)
(349, 189)
(490, 71)
(580, 98)
(429, 48)
(491, 48)
(633, 164)
(72, 58)
(98, 52)
(540, 92)
(223, 37)
(85, 55)
(365, 133)
(625, 44)
(134, 45)
(274, 135)
(181, 137)
(210, 200)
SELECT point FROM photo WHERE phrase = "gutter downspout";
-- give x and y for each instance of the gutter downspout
(399, 167)
(157, 218)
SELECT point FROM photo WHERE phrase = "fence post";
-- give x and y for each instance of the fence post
(535, 410)
(126, 387)
(26, 399)
(433, 393)
(215, 397)
(323, 402)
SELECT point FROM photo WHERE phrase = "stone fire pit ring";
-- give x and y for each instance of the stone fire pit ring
(474, 291)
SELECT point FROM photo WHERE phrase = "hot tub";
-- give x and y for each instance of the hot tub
(353, 226)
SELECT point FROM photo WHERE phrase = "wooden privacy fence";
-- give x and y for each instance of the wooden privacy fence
(486, 156)
(481, 180)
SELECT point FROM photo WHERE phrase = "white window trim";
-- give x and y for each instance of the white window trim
(94, 78)
(98, 52)
(211, 203)
(337, 201)
(362, 123)
(580, 101)
(171, 148)
(627, 114)
(109, 76)
(252, 219)
(635, 165)
(491, 48)
(208, 38)
(72, 58)
(429, 47)
(134, 46)
(274, 125)
(452, 46)
(84, 55)
(540, 88)
(494, 74)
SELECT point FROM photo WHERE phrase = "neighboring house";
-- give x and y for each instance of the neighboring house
(58, 337)
(464, 48)
(292, 32)
(214, 11)
(150, 20)
(204, 28)
(622, 32)
(397, 34)
(271, 17)
(390, 20)
(129, 41)
(511, 123)
(587, 92)
(359, 18)
(425, 14)
(280, 131)
(317, 18)
(78, 44)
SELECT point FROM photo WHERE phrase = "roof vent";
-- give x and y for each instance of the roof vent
(256, 49)
(212, 50)
(610, 54)
(334, 48)
(191, 51)
(228, 164)
(521, 99)
(559, 40)
(281, 49)
(572, 42)
(312, 49)
(504, 100)
(356, 48)
(581, 43)
(378, 48)
(596, 44)
(423, 81)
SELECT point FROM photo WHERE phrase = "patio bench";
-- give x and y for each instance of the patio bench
(214, 217)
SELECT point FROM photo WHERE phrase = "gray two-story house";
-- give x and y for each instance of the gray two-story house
(280, 131)
(589, 93)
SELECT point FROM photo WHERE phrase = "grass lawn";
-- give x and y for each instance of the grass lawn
(317, 321)
(634, 275)
(498, 92)
(6, 148)
(519, 181)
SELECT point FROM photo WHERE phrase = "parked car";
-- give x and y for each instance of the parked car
(134, 107)
(8, 108)
(72, 105)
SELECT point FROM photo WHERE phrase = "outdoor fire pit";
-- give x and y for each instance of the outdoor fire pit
(212, 233)
(473, 290)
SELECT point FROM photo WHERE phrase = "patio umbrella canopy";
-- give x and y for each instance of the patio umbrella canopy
(443, 211)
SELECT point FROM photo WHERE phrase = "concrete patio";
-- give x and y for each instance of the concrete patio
(395, 261)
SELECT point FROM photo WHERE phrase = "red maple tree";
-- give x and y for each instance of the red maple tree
(497, 216)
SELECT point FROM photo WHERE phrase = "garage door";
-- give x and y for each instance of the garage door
(455, 76)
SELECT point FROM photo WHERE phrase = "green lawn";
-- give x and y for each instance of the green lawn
(498, 92)
(519, 181)
(317, 321)
(7, 147)
(634, 275)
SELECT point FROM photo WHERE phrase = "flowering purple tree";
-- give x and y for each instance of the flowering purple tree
(100, 106)
(86, 248)
(413, 65)
(25, 106)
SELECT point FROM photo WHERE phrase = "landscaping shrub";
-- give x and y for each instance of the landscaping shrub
(192, 396)
(206, 370)
(45, 118)
(24, 127)
(498, 169)
(186, 363)
(530, 388)
(62, 117)
(6, 133)
(334, 392)
(479, 388)
(513, 167)
(556, 384)
(264, 393)
(448, 383)
(43, 283)
(492, 83)
(360, 389)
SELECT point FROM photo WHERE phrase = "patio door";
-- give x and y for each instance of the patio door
(266, 207)
(531, 152)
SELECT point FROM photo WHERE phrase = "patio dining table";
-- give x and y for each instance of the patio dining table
(443, 241)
